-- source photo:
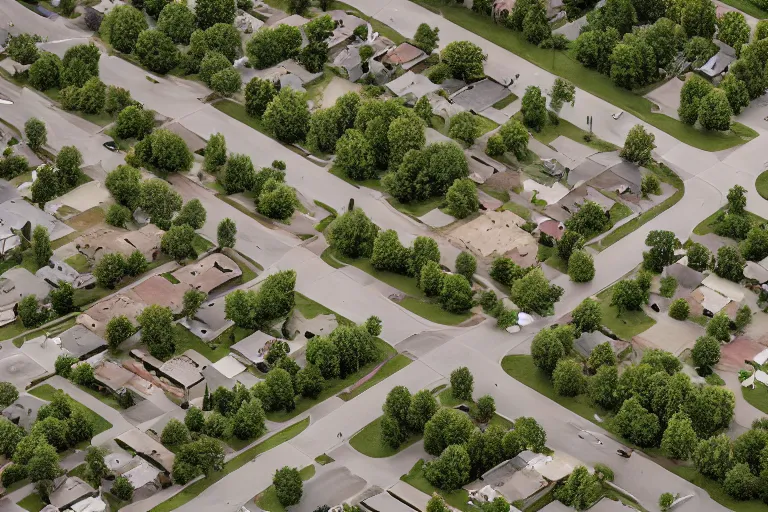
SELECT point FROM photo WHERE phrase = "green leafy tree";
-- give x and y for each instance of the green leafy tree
(580, 490)
(36, 133)
(388, 253)
(662, 252)
(8, 394)
(82, 374)
(116, 100)
(198, 457)
(515, 137)
(30, 313)
(287, 116)
(68, 162)
(446, 427)
(570, 241)
(534, 108)
(698, 18)
(124, 183)
(249, 420)
(462, 198)
(134, 122)
(96, 468)
(699, 257)
(462, 383)
(546, 350)
(392, 433)
(177, 21)
(175, 433)
(80, 63)
(156, 51)
(466, 265)
(602, 355)
(636, 424)
(706, 354)
(755, 247)
(423, 406)
(740, 483)
(464, 59)
(619, 14)
(534, 294)
(63, 366)
(431, 279)
(715, 111)
(426, 38)
(119, 329)
(562, 92)
(212, 63)
(118, 215)
(736, 93)
(693, 91)
(136, 263)
(650, 184)
(288, 486)
(679, 440)
(405, 133)
(223, 38)
(588, 220)
(595, 47)
(627, 296)
(733, 30)
(211, 12)
(23, 48)
(239, 174)
(226, 82)
(397, 404)
(122, 488)
(62, 298)
(352, 234)
(215, 153)
(192, 214)
(465, 127)
(451, 470)
(309, 381)
(354, 155)
(280, 385)
(587, 316)
(44, 463)
(313, 57)
(638, 145)
(192, 301)
(226, 233)
(456, 294)
(535, 24)
(719, 327)
(122, 26)
(679, 309)
(177, 242)
(713, 457)
(41, 245)
(581, 267)
(46, 186)
(270, 46)
(568, 378)
(159, 201)
(324, 130)
(730, 263)
(258, 94)
(45, 73)
(156, 324)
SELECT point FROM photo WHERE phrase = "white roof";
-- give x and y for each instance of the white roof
(764, 262)
(712, 300)
(142, 474)
(761, 376)
(412, 83)
(89, 505)
(756, 271)
(732, 290)
(229, 366)
(762, 357)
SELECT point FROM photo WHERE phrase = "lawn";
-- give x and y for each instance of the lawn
(625, 325)
(237, 111)
(389, 368)
(762, 185)
(45, 392)
(562, 64)
(333, 386)
(381, 28)
(458, 499)
(372, 183)
(433, 312)
(501, 195)
(310, 309)
(447, 399)
(188, 493)
(405, 284)
(709, 224)
(521, 368)
(324, 459)
(418, 208)
(517, 209)
(505, 102)
(757, 398)
(368, 441)
(618, 212)
(748, 7)
(215, 350)
(15, 330)
(552, 131)
(200, 244)
(267, 500)
(33, 503)
(79, 262)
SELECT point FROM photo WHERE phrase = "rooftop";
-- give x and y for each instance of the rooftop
(481, 95)
(96, 317)
(209, 273)
(17, 283)
(147, 447)
(23, 412)
(495, 233)
(70, 491)
(82, 343)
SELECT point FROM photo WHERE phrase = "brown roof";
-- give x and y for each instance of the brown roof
(403, 54)
(158, 290)
(209, 273)
(553, 228)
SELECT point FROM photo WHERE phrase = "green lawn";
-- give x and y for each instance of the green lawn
(15, 329)
(446, 399)
(419, 208)
(114, 502)
(247, 273)
(709, 224)
(79, 262)
(517, 209)
(403, 283)
(748, 7)
(433, 312)
(562, 64)
(558, 263)
(214, 350)
(486, 125)
(191, 491)
(625, 325)
(757, 398)
(381, 28)
(505, 102)
(458, 499)
(521, 368)
(368, 441)
(33, 503)
(552, 131)
(713, 488)
(618, 212)
(237, 111)
(762, 184)
(389, 368)
(267, 500)
(200, 244)
(105, 397)
(333, 386)
(45, 392)
(501, 195)
(310, 309)
(324, 459)
(373, 183)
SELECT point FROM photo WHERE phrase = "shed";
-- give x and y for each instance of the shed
(82, 343)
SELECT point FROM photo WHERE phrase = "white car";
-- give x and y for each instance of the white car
(617, 115)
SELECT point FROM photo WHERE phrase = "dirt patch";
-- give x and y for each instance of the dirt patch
(503, 181)
(86, 220)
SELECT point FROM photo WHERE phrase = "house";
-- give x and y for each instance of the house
(229, 367)
(497, 233)
(587, 342)
(69, 490)
(720, 62)
(252, 349)
(82, 343)
(147, 448)
(686, 276)
(480, 95)
(345, 26)
(209, 273)
(58, 270)
(385, 502)
(553, 228)
(349, 58)
(17, 214)
(210, 320)
(757, 271)
(183, 371)
(15, 284)
(97, 316)
(99, 242)
(412, 85)
(23, 412)
(159, 290)
(404, 55)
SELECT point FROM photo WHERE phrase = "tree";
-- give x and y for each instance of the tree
(8, 394)
(706, 353)
(277, 200)
(534, 108)
(437, 504)
(587, 316)
(569, 242)
(68, 162)
(352, 234)
(122, 488)
(165, 150)
(44, 463)
(117, 99)
(662, 253)
(431, 279)
(699, 257)
(730, 263)
(63, 366)
(446, 427)
(462, 198)
(177, 242)
(324, 130)
(715, 111)
(423, 406)
(635, 423)
(177, 21)
(192, 214)
(122, 26)
(136, 263)
(198, 457)
(535, 24)
(719, 327)
(601, 355)
(595, 47)
(226, 82)
(562, 91)
(650, 184)
(82, 374)
(733, 30)
(118, 215)
(80, 63)
(736, 93)
(546, 350)
(29, 312)
(211, 12)
(580, 489)
(534, 294)
(288, 486)
(393, 434)
(224, 39)
(698, 18)
(41, 245)
(426, 38)
(713, 457)
(465, 127)
(193, 299)
(287, 116)
(280, 385)
(464, 59)
(309, 381)
(322, 353)
(750, 448)
(249, 420)
(159, 201)
(627, 296)
(740, 483)
(515, 137)
(36, 133)
(156, 324)
(581, 266)
(45, 73)
(96, 468)
(270, 46)
(62, 298)
(568, 378)
(12, 166)
(226, 233)
(313, 57)
(679, 440)
(397, 404)
(215, 153)
(456, 294)
(638, 145)
(156, 51)
(466, 265)
(389, 254)
(462, 383)
(13, 472)
(258, 94)
(405, 133)
(133, 122)
(755, 247)
(194, 419)
(239, 174)
(588, 220)
(451, 470)
(354, 155)
(693, 91)
(23, 48)
(46, 186)
(679, 309)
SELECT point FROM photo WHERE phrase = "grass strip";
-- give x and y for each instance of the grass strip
(389, 368)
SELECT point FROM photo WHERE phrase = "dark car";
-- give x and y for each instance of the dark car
(111, 145)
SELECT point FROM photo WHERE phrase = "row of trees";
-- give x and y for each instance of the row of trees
(529, 288)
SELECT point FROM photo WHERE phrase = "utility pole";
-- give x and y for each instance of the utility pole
(589, 123)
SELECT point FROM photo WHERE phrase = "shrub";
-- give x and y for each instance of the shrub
(679, 309)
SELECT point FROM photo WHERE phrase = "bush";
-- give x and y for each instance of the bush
(568, 378)
(679, 309)
(122, 489)
(288, 486)
(118, 215)
(665, 501)
(581, 267)
(14, 473)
